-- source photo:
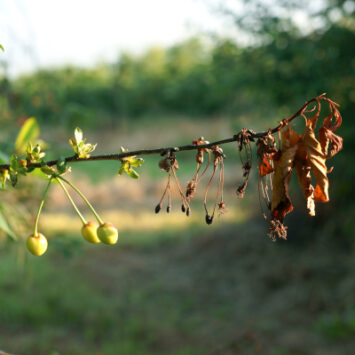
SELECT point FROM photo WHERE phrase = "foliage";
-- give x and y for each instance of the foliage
(81, 149)
(128, 164)
(29, 133)
(193, 78)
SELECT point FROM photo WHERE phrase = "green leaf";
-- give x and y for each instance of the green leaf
(13, 162)
(29, 132)
(81, 149)
(73, 145)
(78, 134)
(132, 173)
(48, 170)
(2, 48)
(6, 228)
(121, 169)
(61, 165)
(128, 163)
(135, 162)
(126, 166)
(37, 172)
(34, 154)
(17, 166)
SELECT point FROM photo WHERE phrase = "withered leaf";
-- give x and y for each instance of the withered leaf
(333, 120)
(316, 159)
(265, 167)
(266, 150)
(303, 172)
(327, 136)
(280, 201)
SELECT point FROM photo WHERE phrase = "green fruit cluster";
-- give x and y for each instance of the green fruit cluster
(92, 232)
(95, 233)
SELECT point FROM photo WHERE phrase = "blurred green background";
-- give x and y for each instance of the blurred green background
(173, 285)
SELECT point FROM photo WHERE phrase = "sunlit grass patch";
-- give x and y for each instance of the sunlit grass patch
(136, 225)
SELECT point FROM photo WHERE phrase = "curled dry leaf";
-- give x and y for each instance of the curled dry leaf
(313, 120)
(280, 202)
(266, 150)
(303, 172)
(326, 138)
(333, 120)
(265, 167)
(316, 159)
(306, 154)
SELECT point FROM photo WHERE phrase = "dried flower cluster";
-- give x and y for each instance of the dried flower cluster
(170, 165)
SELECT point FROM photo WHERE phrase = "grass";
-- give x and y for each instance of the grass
(173, 285)
(211, 291)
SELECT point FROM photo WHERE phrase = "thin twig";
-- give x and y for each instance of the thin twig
(119, 156)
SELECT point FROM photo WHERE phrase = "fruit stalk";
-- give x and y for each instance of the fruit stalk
(35, 229)
(72, 202)
(84, 198)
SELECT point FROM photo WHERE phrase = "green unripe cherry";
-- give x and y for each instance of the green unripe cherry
(89, 232)
(107, 233)
(37, 245)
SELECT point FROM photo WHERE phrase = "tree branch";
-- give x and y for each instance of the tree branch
(118, 156)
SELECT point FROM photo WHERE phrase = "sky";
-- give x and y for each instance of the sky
(42, 33)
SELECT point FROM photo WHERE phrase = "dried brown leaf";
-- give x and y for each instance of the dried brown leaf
(316, 159)
(265, 167)
(280, 201)
(303, 172)
(333, 120)
(326, 137)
